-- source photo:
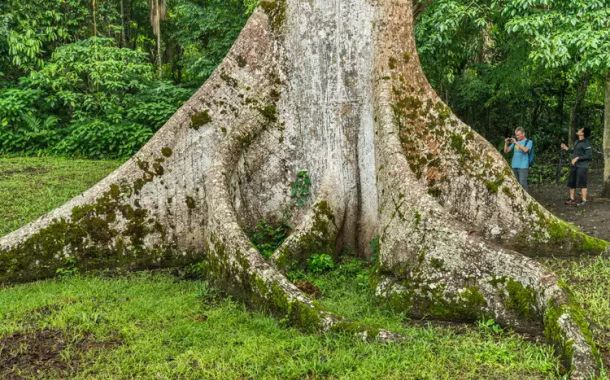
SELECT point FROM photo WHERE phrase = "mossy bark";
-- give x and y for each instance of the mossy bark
(334, 89)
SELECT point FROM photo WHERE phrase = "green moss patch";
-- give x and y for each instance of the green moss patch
(521, 299)
(200, 119)
(276, 11)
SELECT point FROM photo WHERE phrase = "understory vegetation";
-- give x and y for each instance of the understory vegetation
(101, 83)
(91, 79)
(171, 324)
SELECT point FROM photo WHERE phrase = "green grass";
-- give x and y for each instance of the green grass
(158, 325)
(170, 328)
(29, 187)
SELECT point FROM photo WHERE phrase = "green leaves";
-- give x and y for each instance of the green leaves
(206, 33)
(267, 237)
(574, 35)
(31, 28)
(300, 188)
(91, 99)
(320, 263)
(99, 139)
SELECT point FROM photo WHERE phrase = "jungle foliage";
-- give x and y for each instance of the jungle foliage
(81, 77)
(536, 64)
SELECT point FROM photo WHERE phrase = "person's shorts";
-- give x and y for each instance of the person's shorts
(578, 178)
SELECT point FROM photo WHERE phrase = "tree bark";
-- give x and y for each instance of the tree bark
(579, 98)
(158, 34)
(332, 89)
(94, 17)
(157, 13)
(123, 39)
(606, 184)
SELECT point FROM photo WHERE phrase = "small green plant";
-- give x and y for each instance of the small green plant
(192, 272)
(300, 188)
(375, 247)
(320, 263)
(68, 270)
(267, 237)
(489, 327)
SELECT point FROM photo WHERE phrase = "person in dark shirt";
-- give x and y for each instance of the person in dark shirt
(581, 156)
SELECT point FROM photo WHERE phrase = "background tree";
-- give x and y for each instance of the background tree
(158, 13)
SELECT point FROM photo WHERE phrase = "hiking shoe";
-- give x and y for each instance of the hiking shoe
(570, 202)
(581, 203)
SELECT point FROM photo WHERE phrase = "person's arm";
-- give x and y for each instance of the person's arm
(508, 148)
(524, 147)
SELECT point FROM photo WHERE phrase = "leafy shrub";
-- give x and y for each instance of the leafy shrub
(23, 127)
(91, 99)
(300, 188)
(98, 139)
(267, 237)
(320, 263)
(154, 105)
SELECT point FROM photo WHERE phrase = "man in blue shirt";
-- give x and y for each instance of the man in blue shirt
(521, 161)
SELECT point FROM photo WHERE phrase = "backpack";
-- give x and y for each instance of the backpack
(530, 155)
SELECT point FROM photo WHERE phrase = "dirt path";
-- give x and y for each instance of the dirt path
(594, 218)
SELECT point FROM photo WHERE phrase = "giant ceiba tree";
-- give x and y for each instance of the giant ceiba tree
(329, 92)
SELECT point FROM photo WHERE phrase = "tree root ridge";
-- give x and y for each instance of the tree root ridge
(316, 233)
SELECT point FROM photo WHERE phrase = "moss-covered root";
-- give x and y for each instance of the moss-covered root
(568, 330)
(547, 235)
(524, 304)
(317, 233)
(240, 270)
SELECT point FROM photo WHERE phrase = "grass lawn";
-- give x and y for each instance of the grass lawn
(161, 326)
(29, 187)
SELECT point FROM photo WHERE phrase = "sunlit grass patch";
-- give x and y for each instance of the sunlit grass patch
(30, 187)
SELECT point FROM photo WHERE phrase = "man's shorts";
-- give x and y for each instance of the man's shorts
(578, 178)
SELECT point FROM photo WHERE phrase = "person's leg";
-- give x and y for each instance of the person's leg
(581, 183)
(521, 175)
(585, 180)
(572, 186)
(523, 180)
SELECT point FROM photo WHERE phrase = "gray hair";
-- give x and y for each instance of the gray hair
(519, 129)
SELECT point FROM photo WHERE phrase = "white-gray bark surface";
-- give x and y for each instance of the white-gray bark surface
(332, 89)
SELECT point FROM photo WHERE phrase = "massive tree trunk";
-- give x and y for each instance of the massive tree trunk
(331, 91)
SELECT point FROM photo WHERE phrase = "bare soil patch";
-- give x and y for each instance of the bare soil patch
(46, 353)
(26, 170)
(594, 218)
